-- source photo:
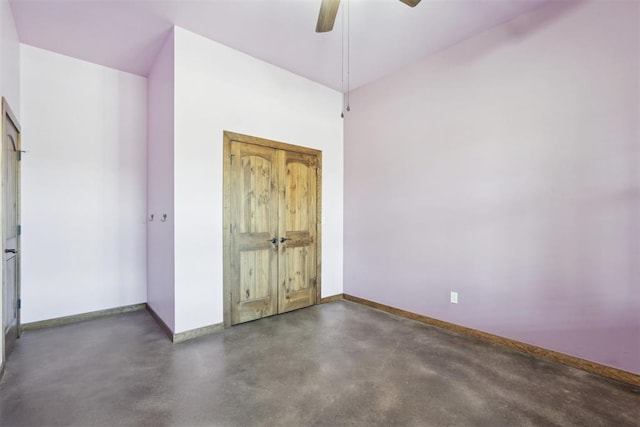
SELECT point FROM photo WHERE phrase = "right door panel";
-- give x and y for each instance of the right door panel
(297, 224)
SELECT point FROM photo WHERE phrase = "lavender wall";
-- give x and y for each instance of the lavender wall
(160, 185)
(9, 58)
(507, 168)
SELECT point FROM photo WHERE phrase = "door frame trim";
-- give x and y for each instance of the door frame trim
(228, 137)
(8, 113)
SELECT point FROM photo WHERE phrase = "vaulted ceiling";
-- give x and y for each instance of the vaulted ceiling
(384, 35)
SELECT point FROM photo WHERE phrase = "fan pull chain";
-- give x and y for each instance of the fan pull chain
(342, 62)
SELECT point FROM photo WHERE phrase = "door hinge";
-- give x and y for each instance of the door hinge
(18, 230)
(19, 303)
(19, 155)
(231, 157)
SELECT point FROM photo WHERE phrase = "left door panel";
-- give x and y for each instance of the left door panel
(254, 251)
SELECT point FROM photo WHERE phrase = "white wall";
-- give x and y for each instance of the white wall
(83, 186)
(9, 85)
(217, 89)
(160, 241)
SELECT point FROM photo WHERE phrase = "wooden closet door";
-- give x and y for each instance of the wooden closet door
(254, 228)
(272, 235)
(297, 262)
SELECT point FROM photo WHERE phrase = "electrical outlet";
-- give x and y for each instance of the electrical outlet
(454, 297)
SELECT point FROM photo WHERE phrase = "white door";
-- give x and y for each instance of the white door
(11, 212)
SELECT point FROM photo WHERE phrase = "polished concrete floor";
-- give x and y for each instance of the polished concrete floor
(332, 365)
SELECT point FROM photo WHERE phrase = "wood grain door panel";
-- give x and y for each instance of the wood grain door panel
(297, 262)
(254, 201)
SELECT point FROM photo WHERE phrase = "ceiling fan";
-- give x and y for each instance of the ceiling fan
(329, 10)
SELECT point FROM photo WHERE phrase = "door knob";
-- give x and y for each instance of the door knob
(274, 240)
(10, 251)
(282, 240)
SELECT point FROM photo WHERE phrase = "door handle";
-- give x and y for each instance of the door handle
(10, 251)
(282, 239)
(274, 240)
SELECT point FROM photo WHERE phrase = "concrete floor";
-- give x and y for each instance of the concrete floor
(335, 364)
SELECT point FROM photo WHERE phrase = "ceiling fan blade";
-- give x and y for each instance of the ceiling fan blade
(412, 3)
(327, 16)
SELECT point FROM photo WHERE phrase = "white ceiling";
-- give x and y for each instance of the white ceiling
(385, 35)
